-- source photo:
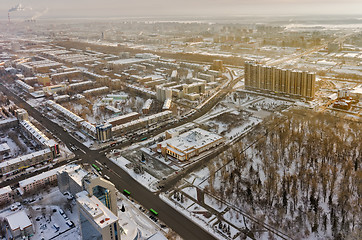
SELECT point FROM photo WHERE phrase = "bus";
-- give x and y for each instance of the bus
(96, 168)
(145, 138)
(126, 192)
(154, 212)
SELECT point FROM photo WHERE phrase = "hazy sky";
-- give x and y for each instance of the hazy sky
(120, 8)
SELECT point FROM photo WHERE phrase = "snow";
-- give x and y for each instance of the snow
(19, 220)
(189, 215)
(5, 190)
(214, 203)
(235, 218)
(157, 236)
(44, 203)
(198, 176)
(145, 179)
(191, 191)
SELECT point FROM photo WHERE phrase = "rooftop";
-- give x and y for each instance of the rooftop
(75, 172)
(38, 177)
(196, 138)
(102, 216)
(5, 190)
(19, 220)
(24, 157)
(4, 147)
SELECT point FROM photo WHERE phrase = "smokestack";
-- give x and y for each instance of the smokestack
(9, 16)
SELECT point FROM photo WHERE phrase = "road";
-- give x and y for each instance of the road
(175, 220)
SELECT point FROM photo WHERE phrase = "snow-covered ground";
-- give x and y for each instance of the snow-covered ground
(44, 213)
(145, 178)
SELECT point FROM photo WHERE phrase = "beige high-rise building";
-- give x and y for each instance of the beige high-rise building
(285, 81)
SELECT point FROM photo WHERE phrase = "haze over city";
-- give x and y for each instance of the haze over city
(160, 8)
(171, 120)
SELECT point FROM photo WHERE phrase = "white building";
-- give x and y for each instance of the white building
(189, 144)
(20, 225)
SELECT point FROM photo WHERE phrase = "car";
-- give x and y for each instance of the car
(69, 223)
(56, 227)
(61, 211)
(14, 207)
(106, 177)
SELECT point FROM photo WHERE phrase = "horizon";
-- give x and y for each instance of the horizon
(192, 9)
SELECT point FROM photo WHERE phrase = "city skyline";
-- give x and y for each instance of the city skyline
(159, 8)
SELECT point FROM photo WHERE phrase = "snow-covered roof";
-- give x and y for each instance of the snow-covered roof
(101, 215)
(357, 89)
(147, 104)
(38, 177)
(88, 126)
(142, 120)
(75, 172)
(141, 89)
(18, 220)
(24, 157)
(65, 73)
(94, 74)
(93, 90)
(61, 97)
(111, 108)
(7, 120)
(24, 85)
(79, 84)
(65, 111)
(38, 135)
(127, 61)
(4, 147)
(128, 115)
(194, 139)
(5, 190)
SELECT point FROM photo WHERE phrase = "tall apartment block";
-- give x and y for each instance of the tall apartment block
(284, 81)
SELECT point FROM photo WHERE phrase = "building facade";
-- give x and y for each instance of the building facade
(277, 80)
(190, 144)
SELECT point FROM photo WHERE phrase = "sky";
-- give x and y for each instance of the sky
(149, 8)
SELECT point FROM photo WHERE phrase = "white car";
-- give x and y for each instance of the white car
(106, 177)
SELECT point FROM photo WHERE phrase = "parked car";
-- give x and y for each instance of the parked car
(56, 227)
(69, 223)
(61, 211)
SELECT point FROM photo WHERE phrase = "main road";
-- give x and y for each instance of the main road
(174, 219)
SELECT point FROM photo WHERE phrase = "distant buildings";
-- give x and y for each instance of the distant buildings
(272, 79)
(123, 118)
(147, 106)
